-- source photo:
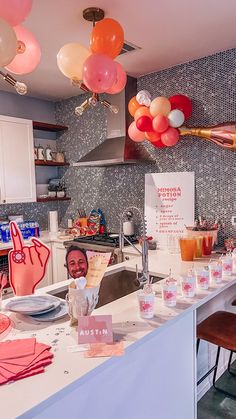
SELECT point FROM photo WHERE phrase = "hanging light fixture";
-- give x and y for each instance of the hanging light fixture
(94, 70)
(19, 50)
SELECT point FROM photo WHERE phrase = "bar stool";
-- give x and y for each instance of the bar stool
(219, 329)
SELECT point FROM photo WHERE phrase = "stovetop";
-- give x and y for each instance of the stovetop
(108, 239)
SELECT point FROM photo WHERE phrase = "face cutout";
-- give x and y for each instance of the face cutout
(77, 264)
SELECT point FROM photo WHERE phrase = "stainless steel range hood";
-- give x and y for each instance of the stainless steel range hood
(117, 148)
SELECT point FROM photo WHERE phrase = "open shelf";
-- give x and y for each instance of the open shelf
(50, 199)
(50, 163)
(43, 126)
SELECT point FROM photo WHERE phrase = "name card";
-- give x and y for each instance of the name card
(95, 329)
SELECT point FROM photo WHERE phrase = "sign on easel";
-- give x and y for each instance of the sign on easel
(169, 205)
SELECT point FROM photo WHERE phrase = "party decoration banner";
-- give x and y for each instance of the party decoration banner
(169, 205)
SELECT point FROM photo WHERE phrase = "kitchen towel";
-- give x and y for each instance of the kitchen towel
(53, 221)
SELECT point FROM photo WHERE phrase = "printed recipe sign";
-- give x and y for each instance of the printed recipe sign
(95, 329)
(169, 205)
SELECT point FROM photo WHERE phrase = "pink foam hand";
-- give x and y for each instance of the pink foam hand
(27, 264)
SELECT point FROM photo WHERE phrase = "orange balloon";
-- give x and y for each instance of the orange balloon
(142, 111)
(133, 106)
(107, 37)
(152, 136)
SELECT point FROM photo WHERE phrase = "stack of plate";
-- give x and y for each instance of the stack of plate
(43, 308)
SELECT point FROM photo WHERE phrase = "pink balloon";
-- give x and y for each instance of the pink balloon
(170, 137)
(15, 11)
(99, 73)
(121, 79)
(28, 55)
(160, 123)
(135, 134)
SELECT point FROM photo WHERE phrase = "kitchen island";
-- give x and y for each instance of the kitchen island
(156, 378)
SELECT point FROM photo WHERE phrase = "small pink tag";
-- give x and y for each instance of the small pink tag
(103, 349)
(95, 329)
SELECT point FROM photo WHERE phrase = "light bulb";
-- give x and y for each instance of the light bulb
(114, 108)
(21, 88)
(79, 110)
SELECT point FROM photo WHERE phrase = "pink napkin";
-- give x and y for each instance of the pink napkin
(17, 348)
(26, 360)
(22, 358)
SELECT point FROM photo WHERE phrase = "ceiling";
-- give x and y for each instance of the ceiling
(168, 32)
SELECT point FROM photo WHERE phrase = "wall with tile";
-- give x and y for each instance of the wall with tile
(36, 109)
(210, 83)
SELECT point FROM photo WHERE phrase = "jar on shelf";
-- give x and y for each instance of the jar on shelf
(35, 152)
(41, 153)
(60, 157)
(48, 153)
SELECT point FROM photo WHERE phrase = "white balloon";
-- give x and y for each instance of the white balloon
(144, 97)
(176, 118)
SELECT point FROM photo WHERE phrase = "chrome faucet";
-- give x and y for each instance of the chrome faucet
(144, 278)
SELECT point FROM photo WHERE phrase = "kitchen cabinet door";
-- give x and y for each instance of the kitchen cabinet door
(17, 170)
(58, 262)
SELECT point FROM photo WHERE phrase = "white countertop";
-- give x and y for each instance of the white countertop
(68, 367)
(45, 236)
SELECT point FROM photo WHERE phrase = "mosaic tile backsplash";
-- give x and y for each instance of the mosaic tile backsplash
(210, 83)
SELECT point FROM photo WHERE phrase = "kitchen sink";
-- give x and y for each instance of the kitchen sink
(113, 287)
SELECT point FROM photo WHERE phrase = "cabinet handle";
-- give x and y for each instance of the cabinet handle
(126, 257)
(4, 201)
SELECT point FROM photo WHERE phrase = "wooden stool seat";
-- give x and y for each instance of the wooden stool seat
(220, 329)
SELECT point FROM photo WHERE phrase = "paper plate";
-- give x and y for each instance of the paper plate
(54, 315)
(33, 304)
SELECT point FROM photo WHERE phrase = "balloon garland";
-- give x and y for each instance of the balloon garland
(158, 120)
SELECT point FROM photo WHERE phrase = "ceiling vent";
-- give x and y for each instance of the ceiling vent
(128, 47)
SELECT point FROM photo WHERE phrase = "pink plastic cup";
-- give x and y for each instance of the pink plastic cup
(227, 265)
(146, 304)
(215, 272)
(169, 293)
(188, 284)
(202, 277)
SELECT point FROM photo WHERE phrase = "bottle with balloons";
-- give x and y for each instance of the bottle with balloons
(158, 120)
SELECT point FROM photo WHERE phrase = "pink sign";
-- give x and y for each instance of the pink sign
(95, 329)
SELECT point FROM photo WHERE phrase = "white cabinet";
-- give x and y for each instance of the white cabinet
(58, 262)
(17, 170)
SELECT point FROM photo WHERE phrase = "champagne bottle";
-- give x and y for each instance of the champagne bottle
(223, 134)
